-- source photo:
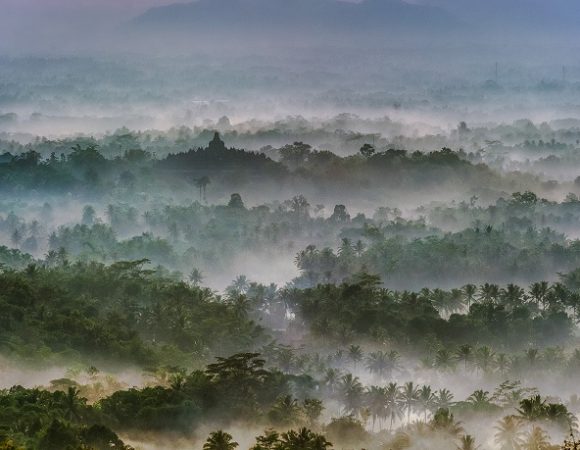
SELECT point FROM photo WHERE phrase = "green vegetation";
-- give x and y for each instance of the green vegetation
(138, 286)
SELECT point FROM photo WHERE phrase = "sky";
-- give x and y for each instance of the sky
(124, 4)
(123, 7)
(54, 25)
(50, 24)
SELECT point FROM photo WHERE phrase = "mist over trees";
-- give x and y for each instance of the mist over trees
(289, 225)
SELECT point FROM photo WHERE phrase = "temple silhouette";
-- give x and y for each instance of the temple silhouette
(216, 144)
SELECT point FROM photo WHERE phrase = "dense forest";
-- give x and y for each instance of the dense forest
(153, 297)
(289, 225)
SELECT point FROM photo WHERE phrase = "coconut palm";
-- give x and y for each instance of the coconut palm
(467, 442)
(508, 433)
(409, 398)
(444, 360)
(377, 363)
(359, 248)
(331, 379)
(439, 298)
(72, 404)
(488, 292)
(196, 277)
(455, 301)
(502, 362)
(382, 363)
(512, 295)
(444, 421)
(532, 409)
(286, 411)
(351, 391)
(268, 441)
(426, 400)
(480, 401)
(532, 356)
(538, 293)
(536, 439)
(443, 399)
(355, 354)
(201, 184)
(241, 284)
(393, 406)
(484, 359)
(303, 439)
(469, 291)
(220, 440)
(464, 354)
(375, 402)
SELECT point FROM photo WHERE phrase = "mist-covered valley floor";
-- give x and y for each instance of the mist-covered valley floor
(336, 226)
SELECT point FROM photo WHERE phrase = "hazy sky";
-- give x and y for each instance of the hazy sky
(125, 6)
(61, 25)
(51, 24)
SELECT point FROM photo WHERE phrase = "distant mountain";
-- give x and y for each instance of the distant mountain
(534, 15)
(297, 17)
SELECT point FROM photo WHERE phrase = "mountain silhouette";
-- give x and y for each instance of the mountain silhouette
(287, 17)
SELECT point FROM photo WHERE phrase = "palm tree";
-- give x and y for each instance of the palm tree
(558, 413)
(467, 442)
(480, 400)
(488, 292)
(409, 398)
(268, 441)
(444, 360)
(196, 277)
(573, 301)
(464, 354)
(355, 354)
(484, 358)
(538, 292)
(508, 433)
(512, 295)
(375, 401)
(331, 379)
(438, 298)
(285, 357)
(359, 248)
(392, 362)
(351, 391)
(377, 363)
(426, 400)
(286, 411)
(312, 409)
(536, 439)
(345, 250)
(447, 302)
(381, 363)
(503, 363)
(393, 405)
(469, 291)
(220, 440)
(303, 439)
(444, 421)
(240, 305)
(201, 184)
(532, 409)
(241, 284)
(72, 403)
(455, 301)
(443, 399)
(532, 355)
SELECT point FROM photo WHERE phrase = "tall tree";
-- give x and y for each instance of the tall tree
(220, 440)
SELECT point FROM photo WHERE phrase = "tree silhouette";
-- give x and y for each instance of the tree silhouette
(220, 440)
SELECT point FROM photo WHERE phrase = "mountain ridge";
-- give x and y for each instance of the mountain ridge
(314, 16)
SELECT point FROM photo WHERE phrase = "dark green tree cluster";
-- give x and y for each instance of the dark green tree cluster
(122, 312)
